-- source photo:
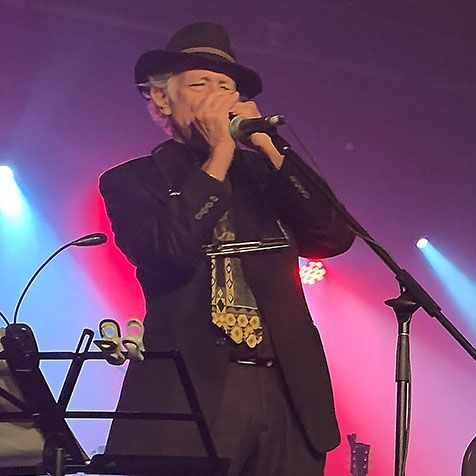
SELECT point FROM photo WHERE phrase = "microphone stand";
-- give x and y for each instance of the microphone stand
(412, 297)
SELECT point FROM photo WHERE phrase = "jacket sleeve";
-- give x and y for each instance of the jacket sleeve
(299, 201)
(164, 228)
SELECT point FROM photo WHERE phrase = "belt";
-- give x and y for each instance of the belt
(256, 361)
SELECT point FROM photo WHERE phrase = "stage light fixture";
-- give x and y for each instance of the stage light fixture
(312, 271)
(422, 242)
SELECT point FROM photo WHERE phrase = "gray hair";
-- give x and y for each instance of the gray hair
(158, 82)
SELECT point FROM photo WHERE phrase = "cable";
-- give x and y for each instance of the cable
(4, 318)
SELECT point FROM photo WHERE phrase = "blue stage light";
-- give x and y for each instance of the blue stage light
(422, 242)
(461, 287)
(6, 174)
(11, 200)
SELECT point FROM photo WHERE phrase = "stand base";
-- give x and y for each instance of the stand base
(135, 465)
(157, 465)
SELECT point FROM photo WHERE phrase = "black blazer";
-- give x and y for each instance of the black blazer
(163, 208)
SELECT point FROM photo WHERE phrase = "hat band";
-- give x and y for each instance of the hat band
(213, 51)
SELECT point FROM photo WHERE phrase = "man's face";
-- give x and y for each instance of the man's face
(183, 94)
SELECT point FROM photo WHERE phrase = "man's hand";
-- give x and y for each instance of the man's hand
(212, 119)
(259, 140)
(249, 109)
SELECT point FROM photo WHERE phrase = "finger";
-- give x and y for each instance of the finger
(247, 109)
(223, 102)
(247, 104)
(204, 103)
(215, 101)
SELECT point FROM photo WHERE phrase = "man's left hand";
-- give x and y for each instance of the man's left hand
(259, 140)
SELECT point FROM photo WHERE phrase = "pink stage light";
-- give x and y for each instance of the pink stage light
(312, 271)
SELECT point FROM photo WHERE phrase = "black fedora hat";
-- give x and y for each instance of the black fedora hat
(201, 45)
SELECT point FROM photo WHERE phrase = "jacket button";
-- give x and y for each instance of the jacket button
(221, 340)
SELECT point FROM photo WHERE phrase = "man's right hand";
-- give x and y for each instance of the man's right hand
(212, 119)
(213, 123)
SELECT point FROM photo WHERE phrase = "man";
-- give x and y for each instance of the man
(239, 319)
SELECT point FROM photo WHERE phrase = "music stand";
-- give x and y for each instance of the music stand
(41, 441)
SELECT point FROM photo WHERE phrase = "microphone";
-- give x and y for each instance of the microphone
(92, 239)
(241, 127)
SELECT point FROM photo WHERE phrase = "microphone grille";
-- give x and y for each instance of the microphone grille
(234, 126)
